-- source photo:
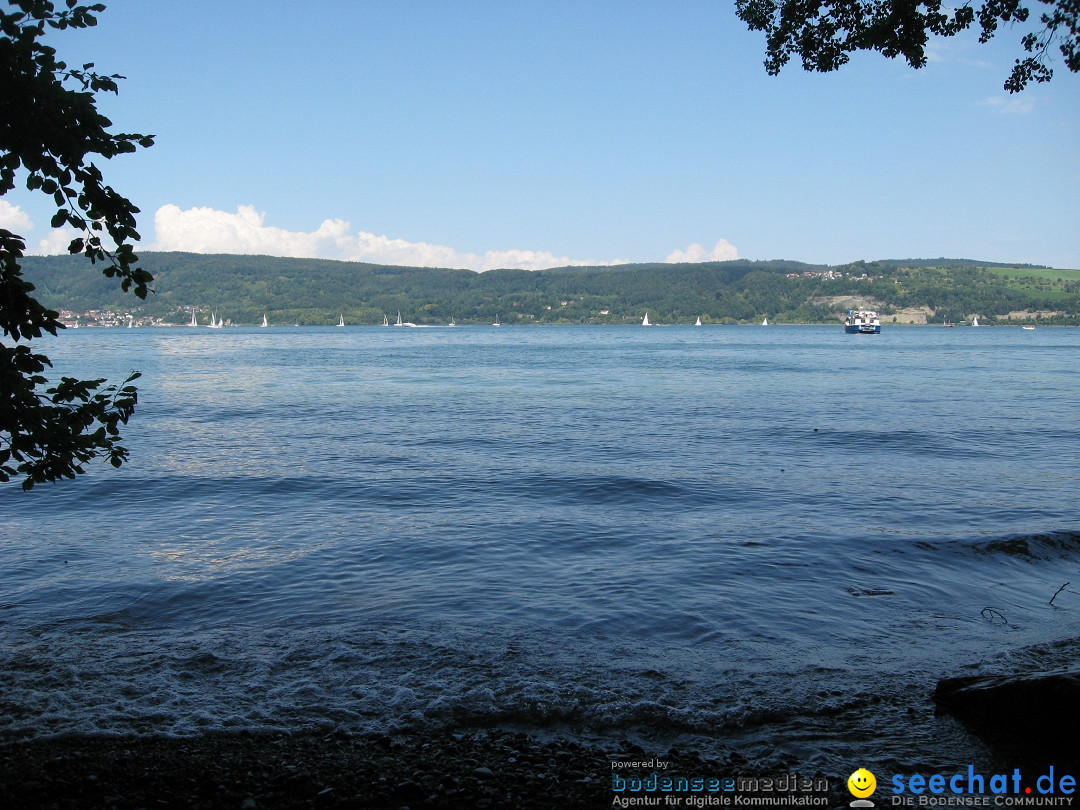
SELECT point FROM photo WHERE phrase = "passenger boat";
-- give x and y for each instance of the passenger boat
(862, 322)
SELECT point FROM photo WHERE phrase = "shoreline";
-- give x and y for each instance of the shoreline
(440, 768)
(255, 771)
(628, 324)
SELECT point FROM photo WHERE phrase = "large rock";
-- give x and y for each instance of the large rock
(1038, 710)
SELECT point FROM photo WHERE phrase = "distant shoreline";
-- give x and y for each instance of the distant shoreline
(888, 324)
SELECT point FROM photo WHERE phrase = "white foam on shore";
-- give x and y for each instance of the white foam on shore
(116, 681)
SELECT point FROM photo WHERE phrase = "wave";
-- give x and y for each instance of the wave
(1041, 546)
(964, 443)
(1052, 545)
(382, 487)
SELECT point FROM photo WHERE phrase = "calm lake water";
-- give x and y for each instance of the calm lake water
(771, 540)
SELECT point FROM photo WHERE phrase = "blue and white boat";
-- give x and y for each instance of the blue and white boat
(862, 322)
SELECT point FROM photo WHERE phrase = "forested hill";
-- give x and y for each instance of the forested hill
(313, 291)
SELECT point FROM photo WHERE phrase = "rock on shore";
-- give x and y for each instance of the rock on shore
(1039, 711)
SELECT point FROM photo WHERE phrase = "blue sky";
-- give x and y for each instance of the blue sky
(531, 134)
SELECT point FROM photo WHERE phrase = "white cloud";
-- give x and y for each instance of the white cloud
(13, 218)
(722, 252)
(207, 230)
(56, 242)
(939, 49)
(1009, 105)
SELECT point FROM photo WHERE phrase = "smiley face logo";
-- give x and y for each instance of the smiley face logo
(861, 783)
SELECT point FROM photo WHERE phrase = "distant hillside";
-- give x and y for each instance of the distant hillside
(314, 291)
(927, 263)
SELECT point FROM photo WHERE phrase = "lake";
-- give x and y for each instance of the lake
(765, 540)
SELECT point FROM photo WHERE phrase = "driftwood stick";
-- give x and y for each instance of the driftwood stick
(1059, 590)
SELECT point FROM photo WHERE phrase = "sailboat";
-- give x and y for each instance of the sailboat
(974, 320)
(193, 321)
(341, 320)
(496, 320)
(452, 323)
(385, 321)
(765, 322)
(645, 320)
(265, 322)
(698, 321)
(214, 323)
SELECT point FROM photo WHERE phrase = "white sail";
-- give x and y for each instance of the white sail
(341, 320)
(698, 321)
(264, 323)
(645, 320)
(385, 321)
(193, 321)
(766, 321)
(975, 320)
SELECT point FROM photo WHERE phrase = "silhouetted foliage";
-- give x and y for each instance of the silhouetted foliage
(50, 129)
(825, 32)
